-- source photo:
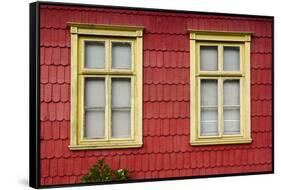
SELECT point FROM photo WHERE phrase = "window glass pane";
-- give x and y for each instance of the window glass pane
(231, 113)
(94, 124)
(208, 114)
(231, 92)
(231, 120)
(208, 58)
(94, 54)
(231, 107)
(121, 55)
(231, 58)
(121, 92)
(94, 92)
(231, 127)
(209, 107)
(209, 92)
(209, 121)
(121, 107)
(209, 128)
(121, 123)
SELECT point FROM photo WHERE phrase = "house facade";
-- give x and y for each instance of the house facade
(164, 94)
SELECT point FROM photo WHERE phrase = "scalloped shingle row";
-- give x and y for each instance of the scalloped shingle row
(157, 22)
(152, 42)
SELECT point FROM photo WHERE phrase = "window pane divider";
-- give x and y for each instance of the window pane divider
(121, 108)
(94, 108)
(220, 59)
(211, 106)
(108, 90)
(108, 55)
(218, 74)
(208, 121)
(220, 108)
(108, 111)
(231, 106)
(104, 72)
(198, 103)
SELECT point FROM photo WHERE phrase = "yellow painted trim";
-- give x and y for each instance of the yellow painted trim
(102, 72)
(220, 36)
(247, 87)
(222, 32)
(106, 146)
(106, 30)
(218, 74)
(193, 101)
(138, 89)
(105, 26)
(73, 91)
(108, 108)
(108, 34)
(220, 39)
(220, 107)
(217, 141)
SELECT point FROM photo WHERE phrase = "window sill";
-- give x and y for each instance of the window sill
(104, 146)
(217, 141)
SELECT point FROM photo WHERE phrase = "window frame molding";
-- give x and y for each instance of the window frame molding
(220, 39)
(79, 34)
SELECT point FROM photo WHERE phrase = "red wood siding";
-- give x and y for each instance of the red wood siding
(166, 151)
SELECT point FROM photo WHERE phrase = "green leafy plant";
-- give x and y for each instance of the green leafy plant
(121, 175)
(101, 172)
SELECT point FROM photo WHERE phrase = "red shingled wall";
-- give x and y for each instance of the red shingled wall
(166, 151)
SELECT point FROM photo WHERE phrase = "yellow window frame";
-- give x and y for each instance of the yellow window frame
(219, 39)
(80, 33)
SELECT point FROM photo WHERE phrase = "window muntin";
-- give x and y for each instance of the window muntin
(220, 97)
(106, 105)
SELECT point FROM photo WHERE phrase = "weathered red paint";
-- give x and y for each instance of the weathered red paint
(166, 151)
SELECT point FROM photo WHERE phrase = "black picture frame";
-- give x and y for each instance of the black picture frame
(34, 91)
